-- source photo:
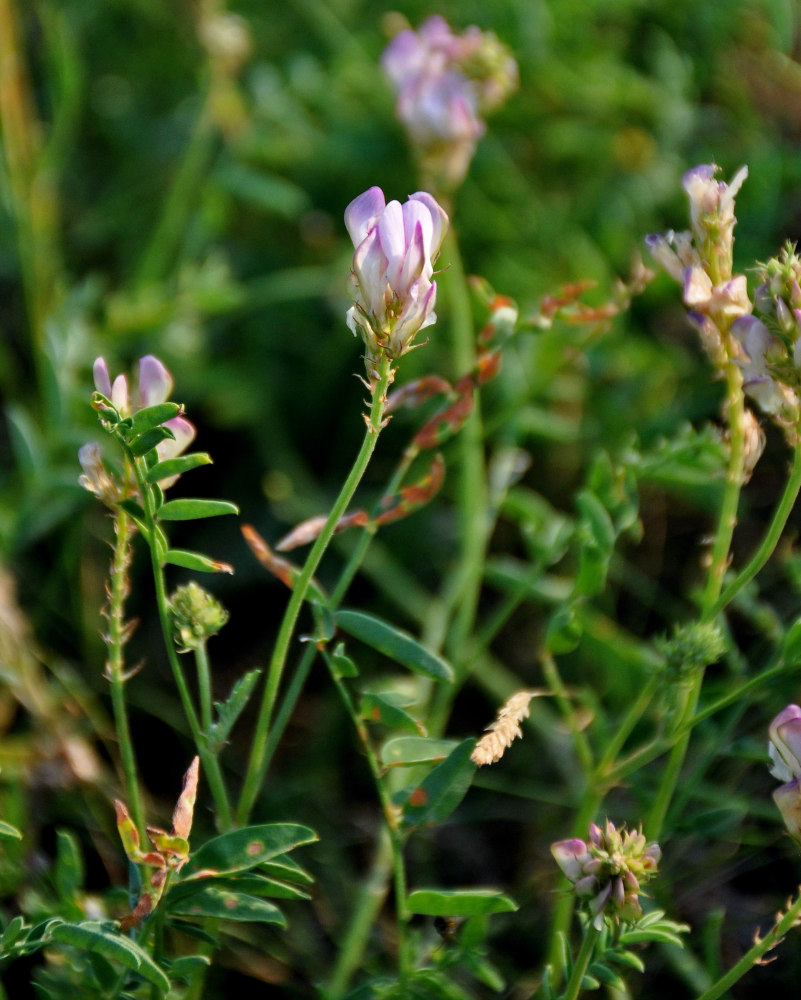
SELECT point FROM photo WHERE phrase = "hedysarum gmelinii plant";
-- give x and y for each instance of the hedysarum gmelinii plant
(785, 754)
(154, 386)
(445, 83)
(393, 265)
(608, 869)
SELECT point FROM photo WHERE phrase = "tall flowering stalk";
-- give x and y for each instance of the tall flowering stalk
(393, 299)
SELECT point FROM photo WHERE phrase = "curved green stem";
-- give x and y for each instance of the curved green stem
(752, 957)
(256, 769)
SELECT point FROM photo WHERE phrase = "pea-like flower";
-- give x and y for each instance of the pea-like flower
(784, 748)
(444, 84)
(154, 386)
(607, 870)
(393, 265)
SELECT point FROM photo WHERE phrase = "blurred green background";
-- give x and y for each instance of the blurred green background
(173, 182)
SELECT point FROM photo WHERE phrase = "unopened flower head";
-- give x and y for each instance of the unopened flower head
(196, 615)
(784, 748)
(392, 274)
(154, 385)
(608, 869)
(444, 84)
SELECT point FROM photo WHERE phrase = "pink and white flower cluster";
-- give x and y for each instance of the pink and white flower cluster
(154, 385)
(393, 266)
(700, 259)
(784, 748)
(444, 84)
(608, 869)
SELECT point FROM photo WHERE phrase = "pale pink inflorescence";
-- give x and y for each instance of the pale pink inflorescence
(504, 730)
(608, 869)
(445, 83)
(393, 266)
(784, 748)
(154, 385)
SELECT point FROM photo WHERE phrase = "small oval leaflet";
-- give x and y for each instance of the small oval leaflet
(459, 902)
(394, 643)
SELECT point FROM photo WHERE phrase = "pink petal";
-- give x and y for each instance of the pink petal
(363, 212)
(102, 377)
(155, 382)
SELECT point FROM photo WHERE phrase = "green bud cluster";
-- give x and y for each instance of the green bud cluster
(196, 615)
(691, 647)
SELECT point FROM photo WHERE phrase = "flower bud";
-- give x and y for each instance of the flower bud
(393, 264)
(608, 869)
(196, 615)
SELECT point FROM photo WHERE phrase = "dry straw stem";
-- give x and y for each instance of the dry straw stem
(504, 730)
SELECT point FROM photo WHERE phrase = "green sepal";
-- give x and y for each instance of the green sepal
(177, 466)
(458, 902)
(395, 643)
(152, 416)
(192, 510)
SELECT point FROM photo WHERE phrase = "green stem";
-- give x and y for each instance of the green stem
(769, 542)
(580, 742)
(390, 815)
(211, 766)
(115, 666)
(752, 957)
(688, 696)
(256, 769)
(472, 481)
(204, 685)
(345, 579)
(573, 987)
(366, 908)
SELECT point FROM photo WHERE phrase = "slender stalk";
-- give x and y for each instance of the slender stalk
(116, 638)
(390, 816)
(573, 987)
(256, 769)
(769, 542)
(349, 571)
(555, 683)
(688, 697)
(366, 908)
(473, 480)
(211, 766)
(204, 685)
(753, 955)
